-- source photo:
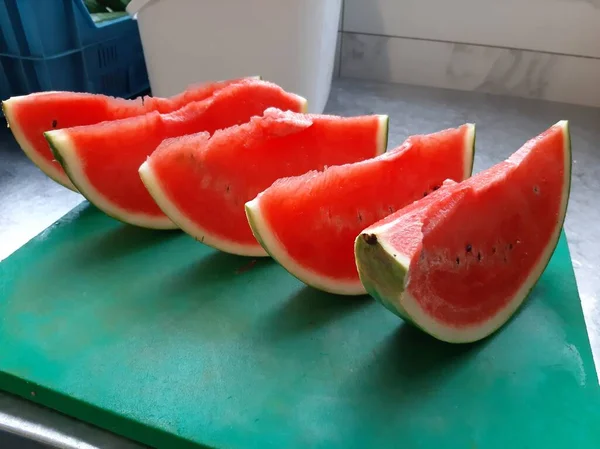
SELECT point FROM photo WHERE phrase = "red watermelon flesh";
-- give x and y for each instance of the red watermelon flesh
(29, 116)
(460, 263)
(202, 183)
(309, 223)
(103, 159)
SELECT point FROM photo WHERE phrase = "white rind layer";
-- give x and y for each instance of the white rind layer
(266, 236)
(152, 183)
(469, 150)
(52, 170)
(473, 333)
(382, 134)
(67, 154)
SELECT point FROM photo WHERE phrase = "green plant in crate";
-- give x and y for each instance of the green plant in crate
(104, 10)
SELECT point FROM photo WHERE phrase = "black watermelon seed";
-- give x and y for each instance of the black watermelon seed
(371, 239)
(479, 256)
(435, 188)
(391, 209)
(468, 248)
(457, 261)
(359, 217)
(424, 194)
(510, 246)
(54, 123)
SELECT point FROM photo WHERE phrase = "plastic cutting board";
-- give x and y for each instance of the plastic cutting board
(156, 337)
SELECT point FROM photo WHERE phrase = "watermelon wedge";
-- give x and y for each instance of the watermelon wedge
(29, 116)
(102, 160)
(459, 263)
(202, 183)
(309, 223)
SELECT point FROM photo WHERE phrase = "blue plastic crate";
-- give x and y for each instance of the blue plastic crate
(55, 45)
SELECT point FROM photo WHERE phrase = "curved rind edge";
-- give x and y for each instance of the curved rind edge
(470, 148)
(157, 193)
(382, 134)
(65, 154)
(42, 164)
(269, 242)
(416, 316)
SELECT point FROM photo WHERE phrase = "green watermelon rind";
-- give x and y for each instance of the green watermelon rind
(154, 187)
(402, 303)
(48, 168)
(65, 153)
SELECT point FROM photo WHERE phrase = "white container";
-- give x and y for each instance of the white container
(288, 42)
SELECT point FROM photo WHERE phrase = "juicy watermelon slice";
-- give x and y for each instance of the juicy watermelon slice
(202, 183)
(309, 223)
(29, 116)
(102, 160)
(459, 263)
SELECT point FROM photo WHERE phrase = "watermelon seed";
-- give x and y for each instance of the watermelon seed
(227, 188)
(435, 188)
(478, 256)
(359, 217)
(424, 194)
(371, 239)
(536, 190)
(510, 246)
(391, 209)
(457, 261)
(54, 123)
(468, 248)
(494, 249)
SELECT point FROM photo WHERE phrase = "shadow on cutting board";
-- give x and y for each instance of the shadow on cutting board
(309, 309)
(123, 240)
(409, 364)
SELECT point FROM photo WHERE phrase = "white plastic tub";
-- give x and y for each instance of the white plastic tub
(288, 42)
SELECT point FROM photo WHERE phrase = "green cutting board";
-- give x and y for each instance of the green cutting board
(161, 339)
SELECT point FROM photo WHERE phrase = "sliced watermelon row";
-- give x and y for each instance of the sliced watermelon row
(457, 259)
(102, 160)
(247, 171)
(29, 116)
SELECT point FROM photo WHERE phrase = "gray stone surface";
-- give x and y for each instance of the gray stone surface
(29, 202)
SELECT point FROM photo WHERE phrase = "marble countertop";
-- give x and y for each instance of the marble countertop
(29, 202)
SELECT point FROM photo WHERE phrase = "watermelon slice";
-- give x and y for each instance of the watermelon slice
(309, 223)
(202, 183)
(459, 263)
(103, 159)
(29, 116)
